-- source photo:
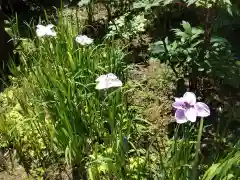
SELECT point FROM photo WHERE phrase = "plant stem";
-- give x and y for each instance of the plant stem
(195, 163)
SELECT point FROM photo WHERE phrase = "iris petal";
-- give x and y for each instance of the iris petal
(191, 114)
(190, 98)
(40, 32)
(115, 83)
(84, 40)
(178, 105)
(180, 116)
(202, 109)
(101, 78)
(107, 81)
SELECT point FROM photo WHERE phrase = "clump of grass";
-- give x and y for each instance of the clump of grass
(57, 80)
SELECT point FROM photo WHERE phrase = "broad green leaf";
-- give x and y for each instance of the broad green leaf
(90, 174)
(217, 39)
(138, 5)
(181, 34)
(187, 27)
(229, 10)
(200, 69)
(189, 59)
(83, 3)
(174, 45)
(157, 47)
(190, 2)
(228, 177)
(196, 43)
(221, 169)
(228, 2)
(196, 32)
(166, 2)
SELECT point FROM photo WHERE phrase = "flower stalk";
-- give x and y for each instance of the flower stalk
(195, 163)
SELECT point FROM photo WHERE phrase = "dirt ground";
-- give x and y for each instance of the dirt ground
(17, 174)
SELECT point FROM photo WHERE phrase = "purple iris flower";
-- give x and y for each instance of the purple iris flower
(188, 108)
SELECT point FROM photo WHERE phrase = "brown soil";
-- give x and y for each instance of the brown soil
(17, 174)
(153, 92)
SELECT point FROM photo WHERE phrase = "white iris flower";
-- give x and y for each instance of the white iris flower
(108, 81)
(45, 30)
(84, 40)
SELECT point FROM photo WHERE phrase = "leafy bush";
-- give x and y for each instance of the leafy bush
(22, 131)
(125, 28)
(186, 52)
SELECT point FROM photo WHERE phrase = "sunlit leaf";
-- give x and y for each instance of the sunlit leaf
(187, 27)
(83, 3)
(190, 2)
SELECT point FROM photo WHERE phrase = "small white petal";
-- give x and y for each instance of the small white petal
(50, 26)
(40, 32)
(50, 32)
(53, 33)
(101, 78)
(178, 99)
(190, 98)
(115, 83)
(101, 85)
(88, 41)
(111, 76)
(78, 40)
(83, 40)
(39, 26)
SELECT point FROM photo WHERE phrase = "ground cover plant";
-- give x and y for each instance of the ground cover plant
(78, 106)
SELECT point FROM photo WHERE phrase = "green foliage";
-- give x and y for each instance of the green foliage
(53, 115)
(89, 5)
(83, 3)
(23, 131)
(184, 50)
(149, 4)
(210, 3)
(188, 50)
(226, 168)
(126, 28)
